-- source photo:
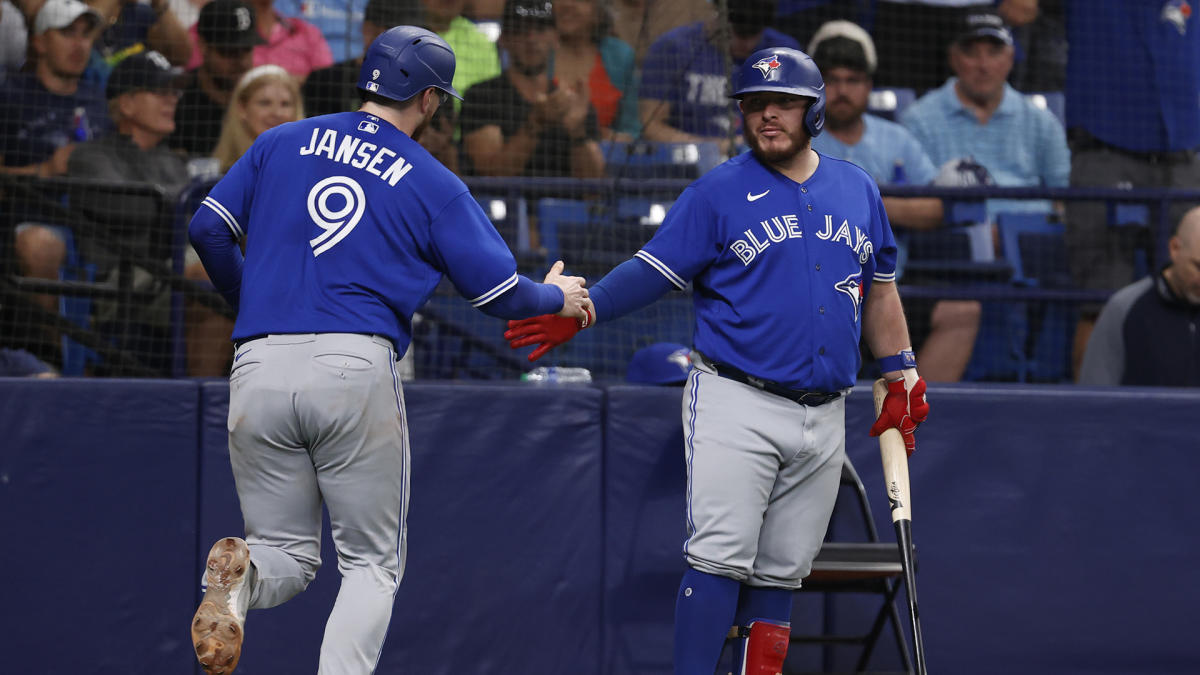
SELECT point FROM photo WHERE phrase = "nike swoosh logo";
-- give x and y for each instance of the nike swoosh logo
(752, 198)
(238, 356)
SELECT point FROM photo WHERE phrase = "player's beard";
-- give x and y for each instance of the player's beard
(779, 154)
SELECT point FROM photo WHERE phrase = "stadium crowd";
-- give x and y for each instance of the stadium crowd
(934, 93)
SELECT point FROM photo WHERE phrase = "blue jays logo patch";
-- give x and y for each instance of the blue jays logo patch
(852, 287)
(765, 66)
(1177, 13)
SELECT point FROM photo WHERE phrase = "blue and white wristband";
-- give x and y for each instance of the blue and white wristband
(905, 359)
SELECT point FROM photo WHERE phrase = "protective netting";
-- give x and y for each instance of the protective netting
(582, 121)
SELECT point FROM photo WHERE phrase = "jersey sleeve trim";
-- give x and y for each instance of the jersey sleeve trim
(495, 292)
(225, 215)
(885, 277)
(667, 272)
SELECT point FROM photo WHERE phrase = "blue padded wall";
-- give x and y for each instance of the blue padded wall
(97, 524)
(1053, 524)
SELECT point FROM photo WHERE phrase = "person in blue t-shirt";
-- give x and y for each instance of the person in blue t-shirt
(349, 225)
(44, 115)
(945, 330)
(684, 94)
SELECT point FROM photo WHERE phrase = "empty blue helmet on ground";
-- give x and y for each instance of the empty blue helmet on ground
(405, 61)
(660, 363)
(787, 71)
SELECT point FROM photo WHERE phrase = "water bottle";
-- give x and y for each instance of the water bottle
(557, 375)
(83, 130)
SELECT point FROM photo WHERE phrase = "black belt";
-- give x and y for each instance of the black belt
(237, 344)
(1082, 141)
(801, 396)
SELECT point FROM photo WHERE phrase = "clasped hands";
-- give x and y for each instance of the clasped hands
(551, 330)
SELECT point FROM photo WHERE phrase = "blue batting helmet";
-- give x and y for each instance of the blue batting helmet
(788, 71)
(406, 60)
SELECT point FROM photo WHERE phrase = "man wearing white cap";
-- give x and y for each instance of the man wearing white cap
(44, 113)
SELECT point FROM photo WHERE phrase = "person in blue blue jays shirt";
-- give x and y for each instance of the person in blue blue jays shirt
(349, 225)
(791, 260)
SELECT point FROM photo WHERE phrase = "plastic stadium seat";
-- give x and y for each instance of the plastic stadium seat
(646, 159)
(889, 102)
(1036, 248)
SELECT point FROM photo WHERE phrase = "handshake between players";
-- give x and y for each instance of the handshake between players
(551, 330)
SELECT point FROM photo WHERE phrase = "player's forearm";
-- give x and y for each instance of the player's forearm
(661, 132)
(219, 252)
(628, 287)
(884, 327)
(511, 158)
(527, 298)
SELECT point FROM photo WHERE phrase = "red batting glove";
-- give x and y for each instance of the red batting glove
(546, 331)
(903, 409)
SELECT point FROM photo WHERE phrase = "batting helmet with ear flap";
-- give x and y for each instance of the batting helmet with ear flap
(788, 71)
(405, 61)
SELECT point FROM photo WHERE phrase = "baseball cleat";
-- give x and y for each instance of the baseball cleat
(217, 627)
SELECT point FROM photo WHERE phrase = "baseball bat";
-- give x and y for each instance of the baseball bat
(895, 479)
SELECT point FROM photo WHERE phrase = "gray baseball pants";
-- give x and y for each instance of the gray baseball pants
(763, 475)
(320, 418)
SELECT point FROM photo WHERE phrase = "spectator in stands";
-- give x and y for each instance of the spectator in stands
(521, 123)
(44, 114)
(944, 331)
(46, 111)
(684, 95)
(1149, 331)
(335, 89)
(1133, 79)
(142, 96)
(13, 37)
(338, 20)
(977, 114)
(286, 41)
(227, 37)
(641, 22)
(476, 57)
(264, 98)
(132, 26)
(802, 18)
(588, 52)
(910, 35)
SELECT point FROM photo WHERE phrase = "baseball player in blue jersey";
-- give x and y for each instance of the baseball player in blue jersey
(791, 259)
(349, 225)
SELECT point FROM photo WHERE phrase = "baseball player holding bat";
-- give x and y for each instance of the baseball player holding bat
(791, 259)
(349, 225)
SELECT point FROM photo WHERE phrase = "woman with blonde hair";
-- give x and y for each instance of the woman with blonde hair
(265, 97)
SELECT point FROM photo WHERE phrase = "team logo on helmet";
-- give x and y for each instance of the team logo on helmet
(765, 66)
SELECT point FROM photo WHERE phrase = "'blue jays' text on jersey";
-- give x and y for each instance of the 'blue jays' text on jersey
(349, 226)
(780, 269)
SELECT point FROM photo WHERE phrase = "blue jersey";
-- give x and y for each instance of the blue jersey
(780, 269)
(349, 225)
